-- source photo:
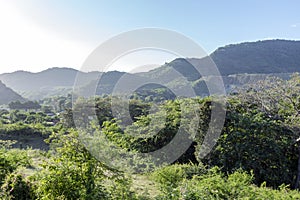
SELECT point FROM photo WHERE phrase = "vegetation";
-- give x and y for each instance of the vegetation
(213, 184)
(267, 56)
(255, 157)
(28, 105)
(249, 60)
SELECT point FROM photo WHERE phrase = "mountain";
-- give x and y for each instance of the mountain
(53, 81)
(237, 64)
(7, 95)
(52, 77)
(261, 57)
(269, 56)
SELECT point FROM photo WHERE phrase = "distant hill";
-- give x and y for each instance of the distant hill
(112, 82)
(7, 95)
(52, 77)
(237, 63)
(261, 57)
(53, 81)
(269, 56)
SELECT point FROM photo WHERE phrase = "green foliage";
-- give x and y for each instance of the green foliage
(20, 116)
(252, 142)
(153, 93)
(257, 146)
(104, 109)
(72, 173)
(215, 185)
(144, 137)
(262, 125)
(170, 177)
(67, 119)
(24, 129)
(120, 189)
(10, 160)
(55, 104)
(270, 56)
(16, 188)
(28, 105)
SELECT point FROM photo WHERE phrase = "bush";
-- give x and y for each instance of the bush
(10, 160)
(252, 142)
(71, 173)
(168, 178)
(16, 188)
(215, 185)
(120, 189)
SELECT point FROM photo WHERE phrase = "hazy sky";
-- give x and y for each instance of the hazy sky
(38, 34)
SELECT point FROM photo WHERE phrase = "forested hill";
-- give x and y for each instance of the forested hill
(260, 58)
(269, 56)
(7, 95)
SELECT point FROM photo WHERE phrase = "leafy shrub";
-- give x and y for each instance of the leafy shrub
(120, 189)
(171, 176)
(71, 173)
(24, 129)
(10, 160)
(16, 188)
(252, 142)
(215, 185)
(236, 186)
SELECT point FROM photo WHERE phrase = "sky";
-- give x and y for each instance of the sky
(40, 34)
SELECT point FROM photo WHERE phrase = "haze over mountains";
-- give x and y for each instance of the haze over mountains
(8, 95)
(255, 60)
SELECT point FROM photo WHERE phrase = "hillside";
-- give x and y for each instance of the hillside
(259, 59)
(7, 95)
(52, 77)
(112, 82)
(50, 82)
(269, 56)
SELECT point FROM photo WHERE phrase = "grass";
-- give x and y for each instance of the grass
(143, 185)
(37, 157)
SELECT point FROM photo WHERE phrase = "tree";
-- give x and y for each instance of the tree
(15, 105)
(279, 102)
(72, 173)
(253, 142)
(28, 105)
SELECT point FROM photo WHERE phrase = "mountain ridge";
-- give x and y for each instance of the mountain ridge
(260, 57)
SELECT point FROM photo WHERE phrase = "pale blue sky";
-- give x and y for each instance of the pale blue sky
(37, 34)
